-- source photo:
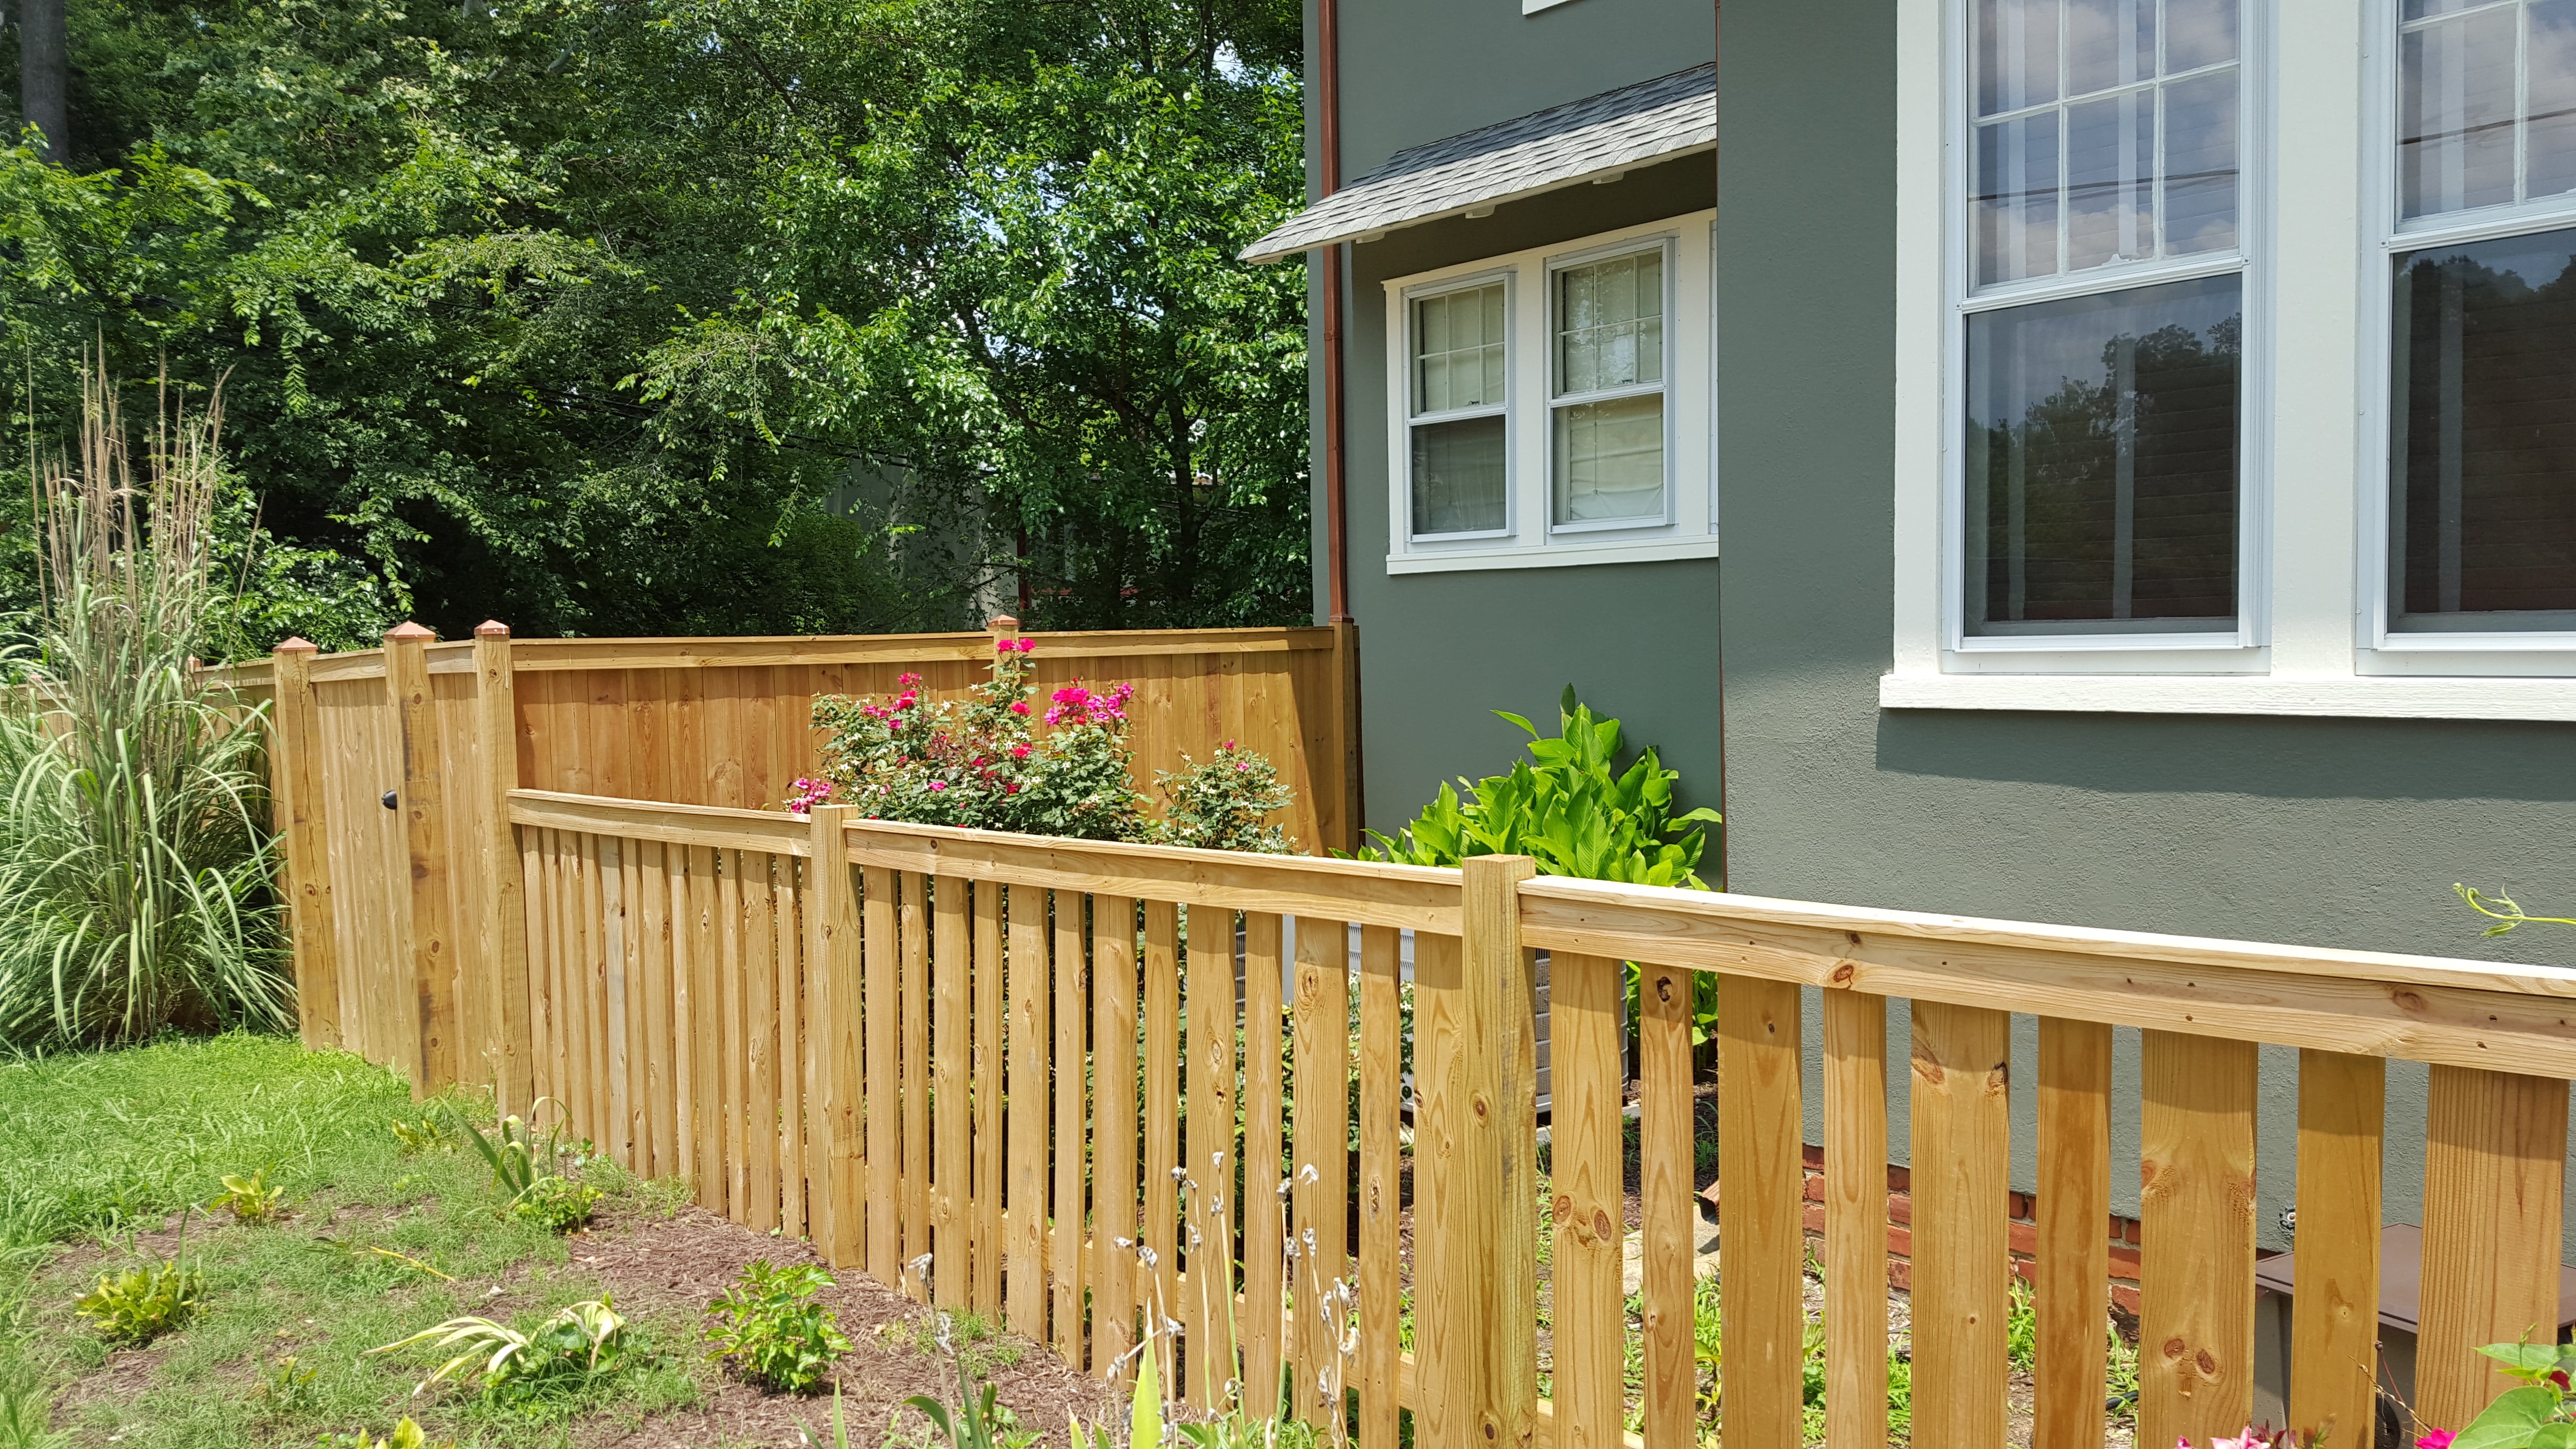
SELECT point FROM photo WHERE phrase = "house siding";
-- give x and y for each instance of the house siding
(2331, 832)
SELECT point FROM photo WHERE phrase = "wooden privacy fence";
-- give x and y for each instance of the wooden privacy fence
(1026, 1063)
(390, 768)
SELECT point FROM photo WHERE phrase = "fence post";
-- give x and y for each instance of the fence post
(432, 945)
(1479, 1347)
(832, 951)
(505, 921)
(295, 785)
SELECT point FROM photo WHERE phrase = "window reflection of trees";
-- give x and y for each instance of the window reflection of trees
(2114, 498)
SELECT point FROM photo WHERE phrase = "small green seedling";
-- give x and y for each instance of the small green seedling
(769, 1325)
(407, 1435)
(140, 1304)
(249, 1199)
(583, 1341)
(287, 1387)
(556, 1204)
(429, 1134)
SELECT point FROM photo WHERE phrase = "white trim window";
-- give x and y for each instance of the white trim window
(2101, 488)
(1576, 430)
(2476, 556)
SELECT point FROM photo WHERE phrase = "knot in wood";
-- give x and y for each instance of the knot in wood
(1478, 1105)
(1602, 1230)
(1564, 1207)
(1664, 989)
(2175, 1348)
(1844, 974)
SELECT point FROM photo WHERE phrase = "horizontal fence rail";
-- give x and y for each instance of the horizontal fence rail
(1134, 1099)
(391, 766)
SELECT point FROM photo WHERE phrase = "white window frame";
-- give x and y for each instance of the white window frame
(1664, 245)
(2379, 649)
(2237, 650)
(1687, 527)
(1403, 461)
(2318, 189)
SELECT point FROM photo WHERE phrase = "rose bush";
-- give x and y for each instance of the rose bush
(998, 760)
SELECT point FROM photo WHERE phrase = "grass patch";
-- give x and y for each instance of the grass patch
(372, 1243)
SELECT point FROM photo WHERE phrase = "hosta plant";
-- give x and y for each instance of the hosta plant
(140, 1304)
(249, 1199)
(579, 1343)
(769, 1325)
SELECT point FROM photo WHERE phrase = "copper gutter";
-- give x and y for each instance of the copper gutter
(1328, 103)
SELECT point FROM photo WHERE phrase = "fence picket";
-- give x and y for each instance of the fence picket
(2196, 1220)
(1114, 1188)
(2335, 1334)
(1665, 1133)
(2494, 1151)
(1160, 1288)
(952, 1262)
(795, 1063)
(761, 1012)
(1321, 1104)
(1855, 1032)
(2073, 1272)
(913, 929)
(653, 939)
(1209, 1166)
(1590, 1206)
(707, 975)
(1026, 991)
(883, 1026)
(1762, 1187)
(1072, 1111)
(991, 1184)
(1962, 1141)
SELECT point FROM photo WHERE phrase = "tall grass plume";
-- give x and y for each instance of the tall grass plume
(135, 854)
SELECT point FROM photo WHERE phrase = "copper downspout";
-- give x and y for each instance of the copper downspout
(1328, 102)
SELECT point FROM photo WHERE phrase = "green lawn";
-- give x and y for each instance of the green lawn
(97, 1149)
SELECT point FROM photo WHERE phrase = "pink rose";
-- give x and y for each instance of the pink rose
(1019, 752)
(938, 784)
(2435, 1439)
(1019, 706)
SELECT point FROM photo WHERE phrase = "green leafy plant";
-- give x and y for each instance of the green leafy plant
(140, 1304)
(430, 1134)
(289, 1386)
(249, 1199)
(135, 854)
(26, 1421)
(1570, 809)
(2021, 1324)
(579, 1343)
(556, 1204)
(982, 1421)
(1221, 804)
(2539, 1415)
(407, 1435)
(769, 1326)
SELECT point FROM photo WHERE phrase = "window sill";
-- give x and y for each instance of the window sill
(1553, 555)
(2382, 697)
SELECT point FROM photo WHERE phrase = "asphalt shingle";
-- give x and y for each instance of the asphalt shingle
(1561, 146)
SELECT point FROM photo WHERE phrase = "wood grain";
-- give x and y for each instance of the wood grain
(836, 962)
(760, 892)
(2494, 1152)
(2073, 1263)
(991, 1179)
(1665, 1134)
(505, 908)
(1590, 1201)
(1320, 1016)
(432, 941)
(2334, 1335)
(1070, 1063)
(952, 1263)
(1855, 1062)
(1265, 1048)
(1160, 1288)
(1762, 1176)
(1961, 1156)
(301, 805)
(1114, 1191)
(882, 1027)
(2196, 1237)
(1028, 1167)
(913, 931)
(1207, 1207)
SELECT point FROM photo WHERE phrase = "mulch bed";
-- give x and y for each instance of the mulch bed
(680, 1264)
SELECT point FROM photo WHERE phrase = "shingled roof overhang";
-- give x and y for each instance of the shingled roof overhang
(1593, 139)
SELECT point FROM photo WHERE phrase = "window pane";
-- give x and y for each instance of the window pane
(2017, 199)
(2016, 54)
(2110, 179)
(1609, 324)
(2102, 463)
(1458, 476)
(2198, 33)
(1610, 459)
(2132, 164)
(2109, 43)
(2455, 113)
(2483, 525)
(1458, 350)
(2200, 164)
(2549, 102)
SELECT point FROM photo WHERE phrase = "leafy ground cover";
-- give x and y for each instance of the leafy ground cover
(107, 1159)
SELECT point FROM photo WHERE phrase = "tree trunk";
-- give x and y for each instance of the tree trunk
(44, 74)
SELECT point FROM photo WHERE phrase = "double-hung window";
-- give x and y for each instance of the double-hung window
(2101, 497)
(2481, 381)
(1555, 406)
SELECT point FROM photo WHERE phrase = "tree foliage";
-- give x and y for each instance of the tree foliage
(700, 316)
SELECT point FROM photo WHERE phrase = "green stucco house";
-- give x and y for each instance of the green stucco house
(2096, 461)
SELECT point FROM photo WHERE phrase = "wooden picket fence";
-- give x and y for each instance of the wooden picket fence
(391, 768)
(1025, 1066)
